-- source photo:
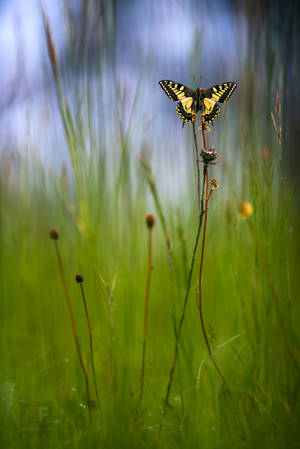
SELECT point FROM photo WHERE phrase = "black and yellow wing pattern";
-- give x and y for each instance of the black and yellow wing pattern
(176, 91)
(216, 94)
(185, 96)
(185, 110)
(220, 92)
(205, 100)
(211, 110)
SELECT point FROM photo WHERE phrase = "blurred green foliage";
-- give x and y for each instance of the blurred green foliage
(98, 204)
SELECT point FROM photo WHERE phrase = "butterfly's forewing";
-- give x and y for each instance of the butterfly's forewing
(220, 92)
(176, 91)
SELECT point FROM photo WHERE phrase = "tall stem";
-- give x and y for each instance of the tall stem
(91, 345)
(83, 368)
(178, 334)
(198, 166)
(150, 268)
(207, 197)
(111, 326)
(203, 134)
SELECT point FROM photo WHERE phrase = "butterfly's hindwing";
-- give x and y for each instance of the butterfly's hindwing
(185, 109)
(220, 92)
(176, 91)
(211, 110)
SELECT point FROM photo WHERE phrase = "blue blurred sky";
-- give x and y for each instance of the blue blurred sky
(196, 42)
(164, 28)
(156, 35)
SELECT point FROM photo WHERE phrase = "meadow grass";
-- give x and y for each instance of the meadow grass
(250, 308)
(249, 294)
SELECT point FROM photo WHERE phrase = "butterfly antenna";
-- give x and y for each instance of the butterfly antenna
(200, 80)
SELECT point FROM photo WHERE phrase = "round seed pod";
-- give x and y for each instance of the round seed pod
(150, 220)
(53, 234)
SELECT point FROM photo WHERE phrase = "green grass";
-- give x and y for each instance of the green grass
(243, 278)
(250, 287)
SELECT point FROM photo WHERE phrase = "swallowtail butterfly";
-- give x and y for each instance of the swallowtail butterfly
(193, 101)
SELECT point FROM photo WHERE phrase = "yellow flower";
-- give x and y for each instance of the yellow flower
(245, 209)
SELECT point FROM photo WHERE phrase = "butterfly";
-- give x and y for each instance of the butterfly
(193, 101)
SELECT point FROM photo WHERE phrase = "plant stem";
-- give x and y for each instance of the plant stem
(203, 134)
(202, 255)
(178, 334)
(207, 197)
(150, 268)
(111, 325)
(91, 345)
(111, 331)
(153, 188)
(145, 164)
(198, 167)
(83, 368)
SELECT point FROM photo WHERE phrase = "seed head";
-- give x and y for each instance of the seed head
(150, 220)
(214, 184)
(245, 209)
(79, 278)
(53, 234)
(209, 156)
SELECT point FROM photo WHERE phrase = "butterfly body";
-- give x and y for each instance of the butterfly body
(201, 100)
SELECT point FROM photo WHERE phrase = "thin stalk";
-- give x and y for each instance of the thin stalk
(111, 328)
(198, 166)
(182, 240)
(202, 253)
(203, 134)
(83, 368)
(111, 323)
(278, 131)
(153, 188)
(91, 345)
(178, 334)
(207, 197)
(150, 268)
(63, 107)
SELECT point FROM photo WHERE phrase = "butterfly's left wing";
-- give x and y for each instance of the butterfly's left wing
(211, 110)
(216, 94)
(221, 92)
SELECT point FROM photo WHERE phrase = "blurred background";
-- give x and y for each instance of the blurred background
(90, 144)
(111, 55)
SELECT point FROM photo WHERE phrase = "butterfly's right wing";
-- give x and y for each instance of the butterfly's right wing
(185, 110)
(183, 94)
(176, 91)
